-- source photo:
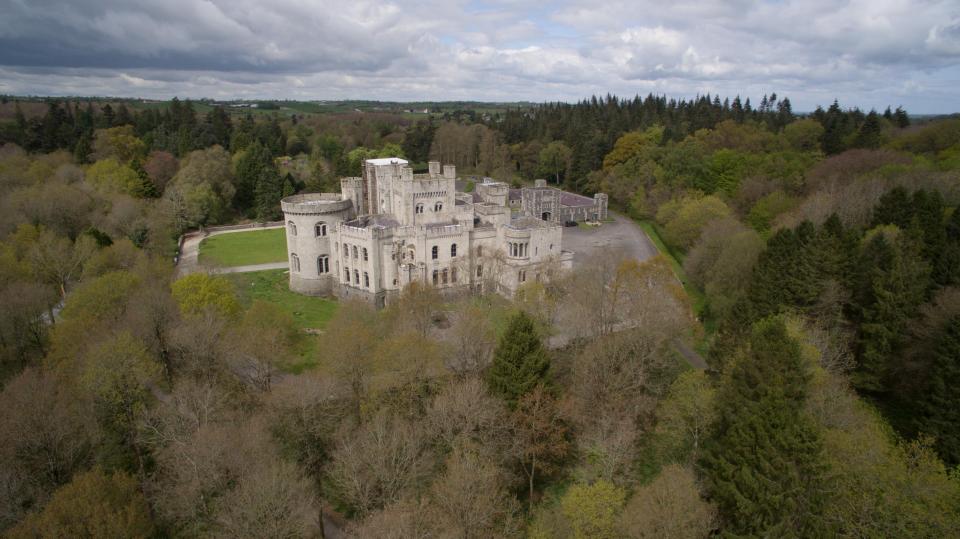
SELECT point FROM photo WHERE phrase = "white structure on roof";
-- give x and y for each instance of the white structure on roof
(392, 227)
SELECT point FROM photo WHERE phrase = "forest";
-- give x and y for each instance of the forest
(812, 259)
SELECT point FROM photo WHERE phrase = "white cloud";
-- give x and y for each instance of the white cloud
(860, 51)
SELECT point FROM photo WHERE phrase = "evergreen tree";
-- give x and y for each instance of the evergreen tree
(898, 280)
(870, 134)
(939, 404)
(947, 269)
(764, 462)
(250, 166)
(520, 362)
(900, 118)
(894, 208)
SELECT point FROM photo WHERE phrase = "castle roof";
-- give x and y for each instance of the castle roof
(387, 161)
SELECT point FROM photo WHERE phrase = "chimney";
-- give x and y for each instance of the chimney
(450, 172)
(434, 168)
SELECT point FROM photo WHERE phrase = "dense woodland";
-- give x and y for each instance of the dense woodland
(814, 261)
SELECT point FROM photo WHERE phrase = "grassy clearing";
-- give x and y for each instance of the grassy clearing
(245, 248)
(308, 312)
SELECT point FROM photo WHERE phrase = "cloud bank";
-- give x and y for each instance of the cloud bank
(866, 53)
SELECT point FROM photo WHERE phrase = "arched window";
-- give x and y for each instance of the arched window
(438, 206)
(479, 271)
(366, 280)
(295, 262)
(444, 276)
(292, 227)
(354, 251)
(346, 275)
(453, 250)
(419, 208)
(346, 251)
(323, 264)
(320, 229)
(364, 254)
(356, 277)
(436, 277)
(479, 251)
(435, 252)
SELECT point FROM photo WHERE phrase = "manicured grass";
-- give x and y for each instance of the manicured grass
(245, 248)
(308, 312)
(271, 286)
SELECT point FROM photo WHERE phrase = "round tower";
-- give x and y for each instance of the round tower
(311, 220)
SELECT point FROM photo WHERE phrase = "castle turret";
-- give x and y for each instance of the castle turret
(311, 220)
(434, 167)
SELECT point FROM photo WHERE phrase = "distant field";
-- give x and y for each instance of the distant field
(245, 248)
(308, 312)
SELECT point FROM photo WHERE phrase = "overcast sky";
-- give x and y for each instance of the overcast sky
(869, 53)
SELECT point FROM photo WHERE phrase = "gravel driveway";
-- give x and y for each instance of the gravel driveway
(621, 236)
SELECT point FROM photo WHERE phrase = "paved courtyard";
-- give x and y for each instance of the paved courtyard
(620, 236)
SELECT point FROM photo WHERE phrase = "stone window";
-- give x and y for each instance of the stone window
(364, 254)
(479, 271)
(346, 275)
(323, 264)
(522, 276)
(366, 280)
(354, 251)
(295, 262)
(419, 208)
(320, 229)
(453, 251)
(436, 277)
(435, 252)
(292, 227)
(444, 276)
(438, 206)
(356, 277)
(346, 251)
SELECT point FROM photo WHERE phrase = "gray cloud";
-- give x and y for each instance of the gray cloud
(867, 53)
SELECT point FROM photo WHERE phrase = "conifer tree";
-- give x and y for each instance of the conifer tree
(520, 362)
(939, 404)
(764, 462)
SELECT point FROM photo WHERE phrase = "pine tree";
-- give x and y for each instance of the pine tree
(870, 133)
(947, 269)
(897, 287)
(764, 462)
(894, 208)
(940, 403)
(520, 362)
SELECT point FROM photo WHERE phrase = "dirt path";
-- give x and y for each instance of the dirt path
(189, 261)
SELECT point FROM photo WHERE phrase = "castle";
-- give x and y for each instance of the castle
(392, 227)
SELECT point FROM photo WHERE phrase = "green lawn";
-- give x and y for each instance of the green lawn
(308, 312)
(245, 248)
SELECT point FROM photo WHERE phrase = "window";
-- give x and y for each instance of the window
(354, 251)
(346, 250)
(436, 277)
(453, 275)
(320, 229)
(479, 271)
(323, 265)
(394, 282)
(292, 227)
(419, 208)
(453, 251)
(295, 262)
(366, 280)
(551, 246)
(346, 275)
(356, 277)
(438, 206)
(364, 254)
(522, 276)
(435, 252)
(444, 276)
